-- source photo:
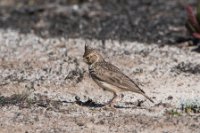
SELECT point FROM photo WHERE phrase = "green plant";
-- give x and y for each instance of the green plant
(173, 112)
(191, 108)
(193, 22)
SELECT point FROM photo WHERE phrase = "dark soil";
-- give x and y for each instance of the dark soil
(157, 21)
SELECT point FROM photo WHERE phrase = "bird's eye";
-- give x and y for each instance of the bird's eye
(87, 57)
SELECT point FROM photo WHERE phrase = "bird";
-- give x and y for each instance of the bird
(109, 77)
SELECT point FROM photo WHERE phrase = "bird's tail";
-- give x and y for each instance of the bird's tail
(148, 98)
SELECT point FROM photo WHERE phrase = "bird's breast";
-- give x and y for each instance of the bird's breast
(107, 86)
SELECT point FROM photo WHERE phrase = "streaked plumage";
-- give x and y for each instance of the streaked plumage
(108, 76)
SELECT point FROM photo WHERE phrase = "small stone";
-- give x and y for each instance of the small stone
(169, 98)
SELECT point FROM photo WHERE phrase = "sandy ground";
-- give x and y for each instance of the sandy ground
(51, 72)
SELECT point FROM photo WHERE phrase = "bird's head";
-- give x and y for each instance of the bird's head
(92, 56)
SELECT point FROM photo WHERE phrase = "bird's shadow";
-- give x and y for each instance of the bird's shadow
(90, 103)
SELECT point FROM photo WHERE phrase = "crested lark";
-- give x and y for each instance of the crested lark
(108, 76)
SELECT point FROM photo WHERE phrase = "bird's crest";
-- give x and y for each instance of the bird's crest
(88, 50)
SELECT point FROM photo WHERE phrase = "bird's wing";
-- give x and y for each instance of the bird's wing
(112, 75)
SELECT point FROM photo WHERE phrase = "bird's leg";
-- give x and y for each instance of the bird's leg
(111, 103)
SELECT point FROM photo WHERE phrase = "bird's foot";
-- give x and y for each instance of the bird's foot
(109, 107)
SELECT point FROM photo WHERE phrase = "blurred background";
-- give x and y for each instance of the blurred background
(158, 21)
